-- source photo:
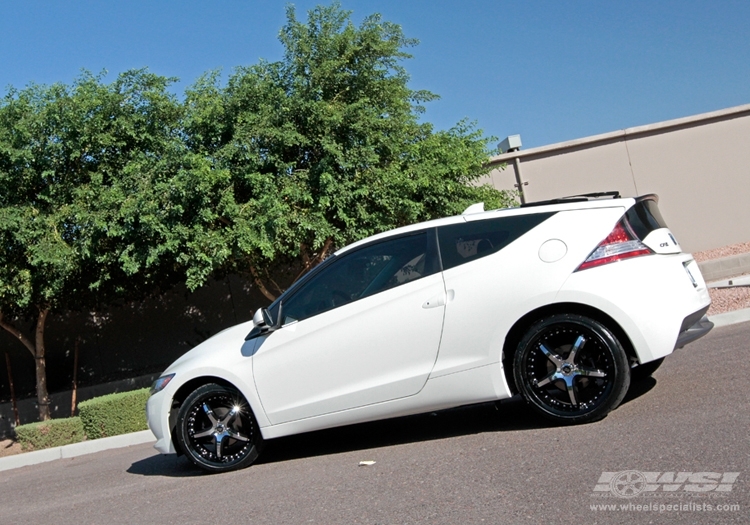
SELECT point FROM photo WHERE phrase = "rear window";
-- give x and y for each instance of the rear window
(644, 217)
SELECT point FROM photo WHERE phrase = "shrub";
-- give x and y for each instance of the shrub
(53, 433)
(114, 414)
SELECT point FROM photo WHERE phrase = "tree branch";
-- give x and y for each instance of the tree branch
(304, 254)
(260, 285)
(276, 285)
(310, 262)
(15, 332)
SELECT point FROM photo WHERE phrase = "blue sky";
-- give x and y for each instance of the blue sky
(548, 70)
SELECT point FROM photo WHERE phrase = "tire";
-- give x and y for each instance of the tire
(571, 369)
(644, 371)
(216, 429)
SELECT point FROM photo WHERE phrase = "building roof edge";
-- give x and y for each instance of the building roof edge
(663, 126)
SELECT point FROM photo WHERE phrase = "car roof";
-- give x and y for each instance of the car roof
(534, 208)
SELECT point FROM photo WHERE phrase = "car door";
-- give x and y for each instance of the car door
(364, 330)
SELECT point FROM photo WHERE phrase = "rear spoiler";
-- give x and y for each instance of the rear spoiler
(583, 197)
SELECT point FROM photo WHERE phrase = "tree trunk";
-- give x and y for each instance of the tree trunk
(74, 393)
(36, 348)
(42, 396)
(13, 401)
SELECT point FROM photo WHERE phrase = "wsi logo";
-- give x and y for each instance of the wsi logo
(631, 483)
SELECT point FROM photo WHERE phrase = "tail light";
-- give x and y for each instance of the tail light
(620, 244)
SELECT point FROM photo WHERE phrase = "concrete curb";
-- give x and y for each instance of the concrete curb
(718, 269)
(737, 316)
(76, 449)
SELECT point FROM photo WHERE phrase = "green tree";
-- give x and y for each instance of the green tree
(318, 150)
(76, 164)
(119, 191)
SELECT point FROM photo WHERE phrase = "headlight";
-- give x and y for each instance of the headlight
(160, 383)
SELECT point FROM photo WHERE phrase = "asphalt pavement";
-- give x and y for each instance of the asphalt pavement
(676, 451)
(137, 438)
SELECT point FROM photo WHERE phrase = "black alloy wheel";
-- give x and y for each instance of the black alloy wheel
(571, 369)
(217, 430)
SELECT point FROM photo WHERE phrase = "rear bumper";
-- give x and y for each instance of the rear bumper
(657, 300)
(693, 327)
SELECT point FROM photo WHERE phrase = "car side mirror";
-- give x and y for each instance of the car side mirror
(261, 323)
(262, 318)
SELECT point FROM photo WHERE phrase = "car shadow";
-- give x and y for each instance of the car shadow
(508, 415)
(169, 466)
(639, 388)
(505, 416)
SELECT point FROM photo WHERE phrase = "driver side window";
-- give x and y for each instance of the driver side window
(361, 273)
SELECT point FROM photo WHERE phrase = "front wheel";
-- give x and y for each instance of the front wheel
(571, 369)
(217, 430)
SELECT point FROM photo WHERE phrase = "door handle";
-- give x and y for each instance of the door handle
(438, 300)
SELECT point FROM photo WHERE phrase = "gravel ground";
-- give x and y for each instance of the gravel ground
(729, 299)
(726, 299)
(724, 251)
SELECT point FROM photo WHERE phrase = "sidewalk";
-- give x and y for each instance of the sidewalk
(76, 449)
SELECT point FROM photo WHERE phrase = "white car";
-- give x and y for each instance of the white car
(562, 302)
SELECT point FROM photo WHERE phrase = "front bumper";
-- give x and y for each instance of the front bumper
(157, 414)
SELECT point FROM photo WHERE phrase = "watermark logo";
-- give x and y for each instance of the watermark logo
(627, 483)
(632, 483)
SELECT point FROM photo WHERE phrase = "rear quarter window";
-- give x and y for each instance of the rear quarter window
(469, 241)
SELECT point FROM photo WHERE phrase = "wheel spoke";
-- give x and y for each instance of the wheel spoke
(230, 415)
(552, 377)
(571, 390)
(210, 414)
(203, 434)
(219, 440)
(236, 435)
(590, 373)
(556, 359)
(576, 347)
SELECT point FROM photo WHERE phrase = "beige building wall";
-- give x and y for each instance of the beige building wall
(699, 166)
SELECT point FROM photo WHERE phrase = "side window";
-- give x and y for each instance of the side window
(468, 241)
(361, 273)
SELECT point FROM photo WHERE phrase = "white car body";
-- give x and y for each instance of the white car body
(447, 339)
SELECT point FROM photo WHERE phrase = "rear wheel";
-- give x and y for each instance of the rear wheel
(571, 369)
(217, 430)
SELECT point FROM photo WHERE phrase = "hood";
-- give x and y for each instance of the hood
(229, 341)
